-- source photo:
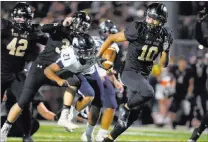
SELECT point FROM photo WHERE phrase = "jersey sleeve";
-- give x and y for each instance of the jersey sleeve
(65, 59)
(50, 28)
(199, 35)
(131, 32)
(168, 40)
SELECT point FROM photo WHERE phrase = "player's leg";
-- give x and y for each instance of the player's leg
(119, 129)
(94, 113)
(172, 111)
(68, 98)
(110, 106)
(26, 116)
(6, 81)
(32, 83)
(197, 131)
(141, 92)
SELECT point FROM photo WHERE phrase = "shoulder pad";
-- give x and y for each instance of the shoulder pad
(167, 33)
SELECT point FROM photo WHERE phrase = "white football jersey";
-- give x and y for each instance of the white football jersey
(69, 61)
(98, 43)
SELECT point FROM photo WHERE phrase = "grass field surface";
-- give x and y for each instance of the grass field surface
(49, 132)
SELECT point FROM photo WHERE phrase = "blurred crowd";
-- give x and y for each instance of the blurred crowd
(190, 107)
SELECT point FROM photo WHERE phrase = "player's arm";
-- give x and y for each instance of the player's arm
(50, 28)
(44, 112)
(130, 34)
(50, 73)
(202, 15)
(168, 40)
(199, 35)
(119, 37)
(115, 81)
(164, 59)
(191, 85)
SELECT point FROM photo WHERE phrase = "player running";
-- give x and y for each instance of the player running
(147, 40)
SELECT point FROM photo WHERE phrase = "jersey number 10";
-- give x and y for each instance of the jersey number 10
(17, 51)
(148, 54)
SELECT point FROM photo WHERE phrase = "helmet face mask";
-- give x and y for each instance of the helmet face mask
(107, 27)
(158, 13)
(22, 16)
(84, 47)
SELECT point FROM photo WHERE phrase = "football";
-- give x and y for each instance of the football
(110, 56)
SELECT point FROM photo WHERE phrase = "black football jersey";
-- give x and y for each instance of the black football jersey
(144, 47)
(200, 78)
(18, 46)
(59, 39)
(182, 79)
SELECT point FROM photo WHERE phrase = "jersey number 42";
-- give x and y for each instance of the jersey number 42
(17, 50)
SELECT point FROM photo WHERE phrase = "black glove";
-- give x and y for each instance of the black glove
(202, 14)
(57, 116)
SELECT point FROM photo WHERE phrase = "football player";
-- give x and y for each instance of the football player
(79, 59)
(147, 40)
(202, 15)
(19, 39)
(60, 37)
(184, 85)
(110, 104)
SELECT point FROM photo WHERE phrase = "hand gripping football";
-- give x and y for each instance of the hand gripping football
(110, 56)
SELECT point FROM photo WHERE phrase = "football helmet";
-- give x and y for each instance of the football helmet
(107, 27)
(81, 22)
(84, 46)
(22, 16)
(158, 12)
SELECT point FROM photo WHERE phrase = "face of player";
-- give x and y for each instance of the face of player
(152, 22)
(19, 19)
(182, 64)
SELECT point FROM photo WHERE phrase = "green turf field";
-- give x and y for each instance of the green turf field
(52, 133)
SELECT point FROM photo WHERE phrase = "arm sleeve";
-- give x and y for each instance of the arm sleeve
(131, 32)
(168, 40)
(199, 35)
(51, 28)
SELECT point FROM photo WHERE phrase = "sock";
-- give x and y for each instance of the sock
(6, 127)
(66, 107)
(102, 132)
(89, 129)
(64, 114)
(73, 113)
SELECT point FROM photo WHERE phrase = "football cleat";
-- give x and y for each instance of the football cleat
(107, 140)
(65, 122)
(195, 135)
(27, 139)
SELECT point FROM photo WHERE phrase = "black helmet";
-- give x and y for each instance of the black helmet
(157, 11)
(84, 46)
(22, 10)
(107, 26)
(81, 22)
